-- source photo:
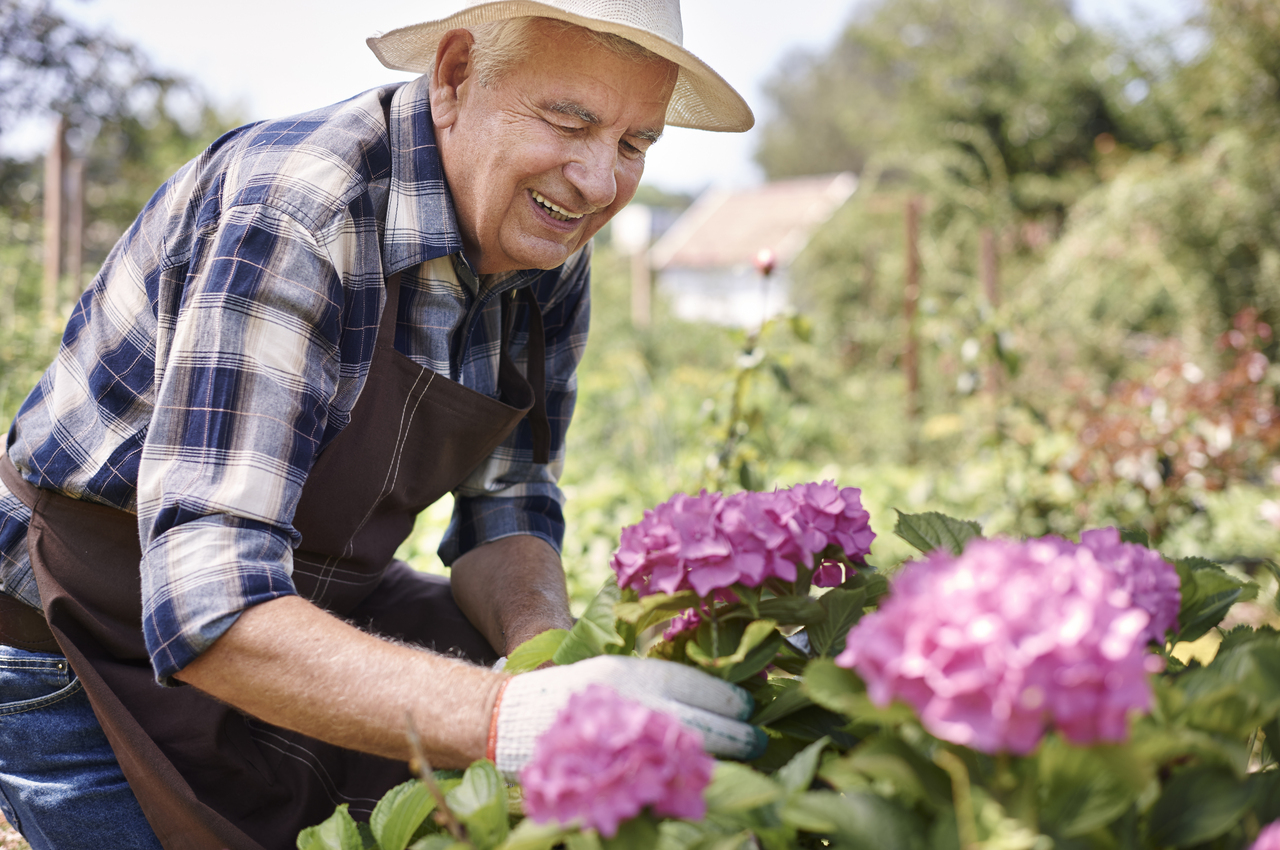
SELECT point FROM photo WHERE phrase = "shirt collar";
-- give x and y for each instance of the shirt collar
(421, 224)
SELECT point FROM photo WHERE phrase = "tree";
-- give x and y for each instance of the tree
(51, 64)
(1011, 95)
(131, 123)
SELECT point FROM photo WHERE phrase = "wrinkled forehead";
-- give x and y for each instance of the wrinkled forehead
(580, 73)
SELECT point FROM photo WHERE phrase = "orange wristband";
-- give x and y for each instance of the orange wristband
(491, 751)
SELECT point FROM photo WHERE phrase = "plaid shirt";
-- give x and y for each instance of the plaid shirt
(224, 343)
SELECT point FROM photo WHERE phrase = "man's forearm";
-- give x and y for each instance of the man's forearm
(293, 665)
(512, 589)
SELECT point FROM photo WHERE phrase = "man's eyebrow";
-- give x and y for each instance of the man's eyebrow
(576, 110)
(586, 116)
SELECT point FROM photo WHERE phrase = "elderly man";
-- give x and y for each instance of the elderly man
(313, 331)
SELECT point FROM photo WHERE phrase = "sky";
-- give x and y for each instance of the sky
(271, 58)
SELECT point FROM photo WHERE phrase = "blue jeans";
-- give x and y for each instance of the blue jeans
(60, 784)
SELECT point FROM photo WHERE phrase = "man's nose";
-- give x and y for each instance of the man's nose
(593, 174)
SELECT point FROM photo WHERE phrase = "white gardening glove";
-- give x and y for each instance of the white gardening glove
(712, 707)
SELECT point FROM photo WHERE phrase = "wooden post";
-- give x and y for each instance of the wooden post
(75, 226)
(54, 217)
(989, 269)
(911, 298)
(641, 289)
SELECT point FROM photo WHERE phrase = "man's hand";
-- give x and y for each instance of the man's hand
(715, 709)
(512, 589)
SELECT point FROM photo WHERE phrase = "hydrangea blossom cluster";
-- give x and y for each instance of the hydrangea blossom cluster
(1268, 838)
(1151, 582)
(606, 758)
(992, 646)
(709, 542)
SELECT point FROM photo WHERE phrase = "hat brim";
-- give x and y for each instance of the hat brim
(701, 100)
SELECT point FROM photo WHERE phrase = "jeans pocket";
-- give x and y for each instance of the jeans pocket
(32, 680)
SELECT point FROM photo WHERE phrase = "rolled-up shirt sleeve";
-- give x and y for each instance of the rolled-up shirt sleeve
(509, 494)
(243, 397)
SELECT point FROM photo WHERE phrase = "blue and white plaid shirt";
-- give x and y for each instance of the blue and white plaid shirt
(228, 335)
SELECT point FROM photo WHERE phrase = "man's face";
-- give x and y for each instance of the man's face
(538, 161)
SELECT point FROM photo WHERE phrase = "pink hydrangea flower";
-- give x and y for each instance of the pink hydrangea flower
(1268, 838)
(1150, 580)
(994, 645)
(606, 758)
(686, 621)
(709, 542)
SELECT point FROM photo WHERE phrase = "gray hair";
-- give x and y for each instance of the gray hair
(500, 45)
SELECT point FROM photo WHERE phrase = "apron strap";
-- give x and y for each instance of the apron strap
(536, 368)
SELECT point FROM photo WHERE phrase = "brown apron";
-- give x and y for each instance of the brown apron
(208, 777)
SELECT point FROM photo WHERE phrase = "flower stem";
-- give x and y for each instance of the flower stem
(420, 766)
(966, 824)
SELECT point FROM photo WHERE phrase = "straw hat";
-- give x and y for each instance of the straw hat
(702, 99)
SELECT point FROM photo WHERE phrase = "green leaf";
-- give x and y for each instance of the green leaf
(638, 833)
(750, 597)
(1208, 592)
(588, 840)
(399, 814)
(440, 841)
(1083, 789)
(930, 531)
(1266, 795)
(885, 758)
(1176, 743)
(648, 610)
(1239, 690)
(337, 832)
(737, 788)
(535, 652)
(788, 699)
(757, 646)
(793, 610)
(685, 835)
(810, 724)
(480, 803)
(867, 821)
(844, 609)
(595, 630)
(1135, 535)
(841, 691)
(797, 774)
(1198, 805)
(810, 812)
(530, 835)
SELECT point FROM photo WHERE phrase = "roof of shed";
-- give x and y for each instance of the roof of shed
(725, 229)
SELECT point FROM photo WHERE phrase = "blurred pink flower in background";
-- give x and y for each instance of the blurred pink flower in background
(709, 542)
(992, 646)
(1268, 838)
(606, 758)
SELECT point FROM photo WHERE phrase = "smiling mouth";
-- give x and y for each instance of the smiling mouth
(552, 210)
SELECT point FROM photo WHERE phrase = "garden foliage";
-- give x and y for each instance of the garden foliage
(995, 693)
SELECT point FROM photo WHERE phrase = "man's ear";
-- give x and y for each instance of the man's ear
(453, 68)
